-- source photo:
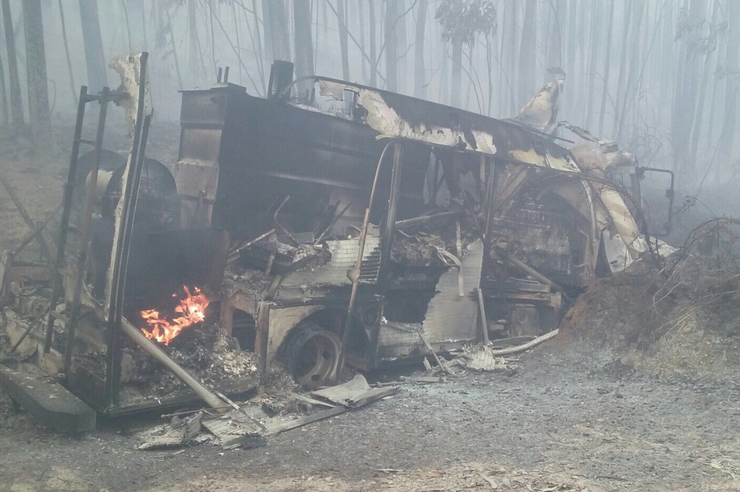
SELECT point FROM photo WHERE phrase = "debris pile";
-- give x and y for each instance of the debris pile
(205, 351)
(677, 317)
(247, 425)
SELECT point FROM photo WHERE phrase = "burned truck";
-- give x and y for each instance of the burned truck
(326, 225)
(376, 227)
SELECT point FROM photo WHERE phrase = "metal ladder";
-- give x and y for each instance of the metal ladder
(58, 270)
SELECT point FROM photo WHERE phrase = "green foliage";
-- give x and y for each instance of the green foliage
(462, 20)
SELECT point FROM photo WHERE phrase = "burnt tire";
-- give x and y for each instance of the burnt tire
(313, 356)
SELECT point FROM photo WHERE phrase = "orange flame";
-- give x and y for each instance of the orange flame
(191, 310)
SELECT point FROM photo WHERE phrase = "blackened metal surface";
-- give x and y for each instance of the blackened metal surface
(259, 151)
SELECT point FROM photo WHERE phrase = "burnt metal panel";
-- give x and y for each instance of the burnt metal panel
(343, 257)
(451, 317)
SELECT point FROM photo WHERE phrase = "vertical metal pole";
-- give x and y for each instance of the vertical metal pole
(489, 203)
(56, 273)
(115, 315)
(390, 221)
(122, 243)
(86, 226)
(354, 274)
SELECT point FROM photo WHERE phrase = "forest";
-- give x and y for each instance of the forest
(660, 77)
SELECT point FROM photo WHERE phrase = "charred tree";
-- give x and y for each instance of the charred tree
(363, 48)
(555, 46)
(38, 91)
(303, 44)
(391, 46)
(607, 66)
(571, 54)
(278, 21)
(72, 85)
(16, 103)
(512, 43)
(343, 46)
(97, 77)
(267, 24)
(727, 136)
(3, 95)
(402, 43)
(373, 44)
(711, 48)
(420, 87)
(622, 65)
(594, 58)
(527, 54)
(194, 58)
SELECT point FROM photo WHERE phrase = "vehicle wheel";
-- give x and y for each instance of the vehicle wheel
(313, 356)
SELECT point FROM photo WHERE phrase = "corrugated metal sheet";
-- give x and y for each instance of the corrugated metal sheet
(449, 316)
(343, 257)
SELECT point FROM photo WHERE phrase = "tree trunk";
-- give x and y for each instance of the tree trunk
(38, 92)
(373, 45)
(344, 49)
(402, 44)
(279, 30)
(303, 44)
(570, 57)
(703, 91)
(194, 58)
(731, 85)
(97, 77)
(527, 54)
(72, 84)
(128, 25)
(639, 6)
(594, 57)
(267, 23)
(16, 103)
(684, 107)
(258, 36)
(607, 66)
(363, 48)
(420, 87)
(511, 57)
(3, 95)
(622, 65)
(456, 81)
(391, 47)
(555, 47)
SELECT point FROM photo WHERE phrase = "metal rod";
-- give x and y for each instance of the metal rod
(86, 227)
(429, 218)
(29, 329)
(40, 228)
(27, 218)
(56, 273)
(354, 274)
(526, 268)
(116, 274)
(151, 348)
(483, 318)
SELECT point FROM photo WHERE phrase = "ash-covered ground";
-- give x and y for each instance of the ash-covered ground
(550, 426)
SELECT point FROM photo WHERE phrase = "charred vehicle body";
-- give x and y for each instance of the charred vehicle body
(327, 224)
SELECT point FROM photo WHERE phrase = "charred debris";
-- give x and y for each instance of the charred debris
(302, 236)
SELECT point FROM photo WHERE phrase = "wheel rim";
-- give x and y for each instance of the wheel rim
(314, 359)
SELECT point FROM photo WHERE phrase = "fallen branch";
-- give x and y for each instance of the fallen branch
(526, 346)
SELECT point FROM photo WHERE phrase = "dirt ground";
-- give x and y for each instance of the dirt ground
(548, 427)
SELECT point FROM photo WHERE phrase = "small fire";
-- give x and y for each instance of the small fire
(190, 310)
